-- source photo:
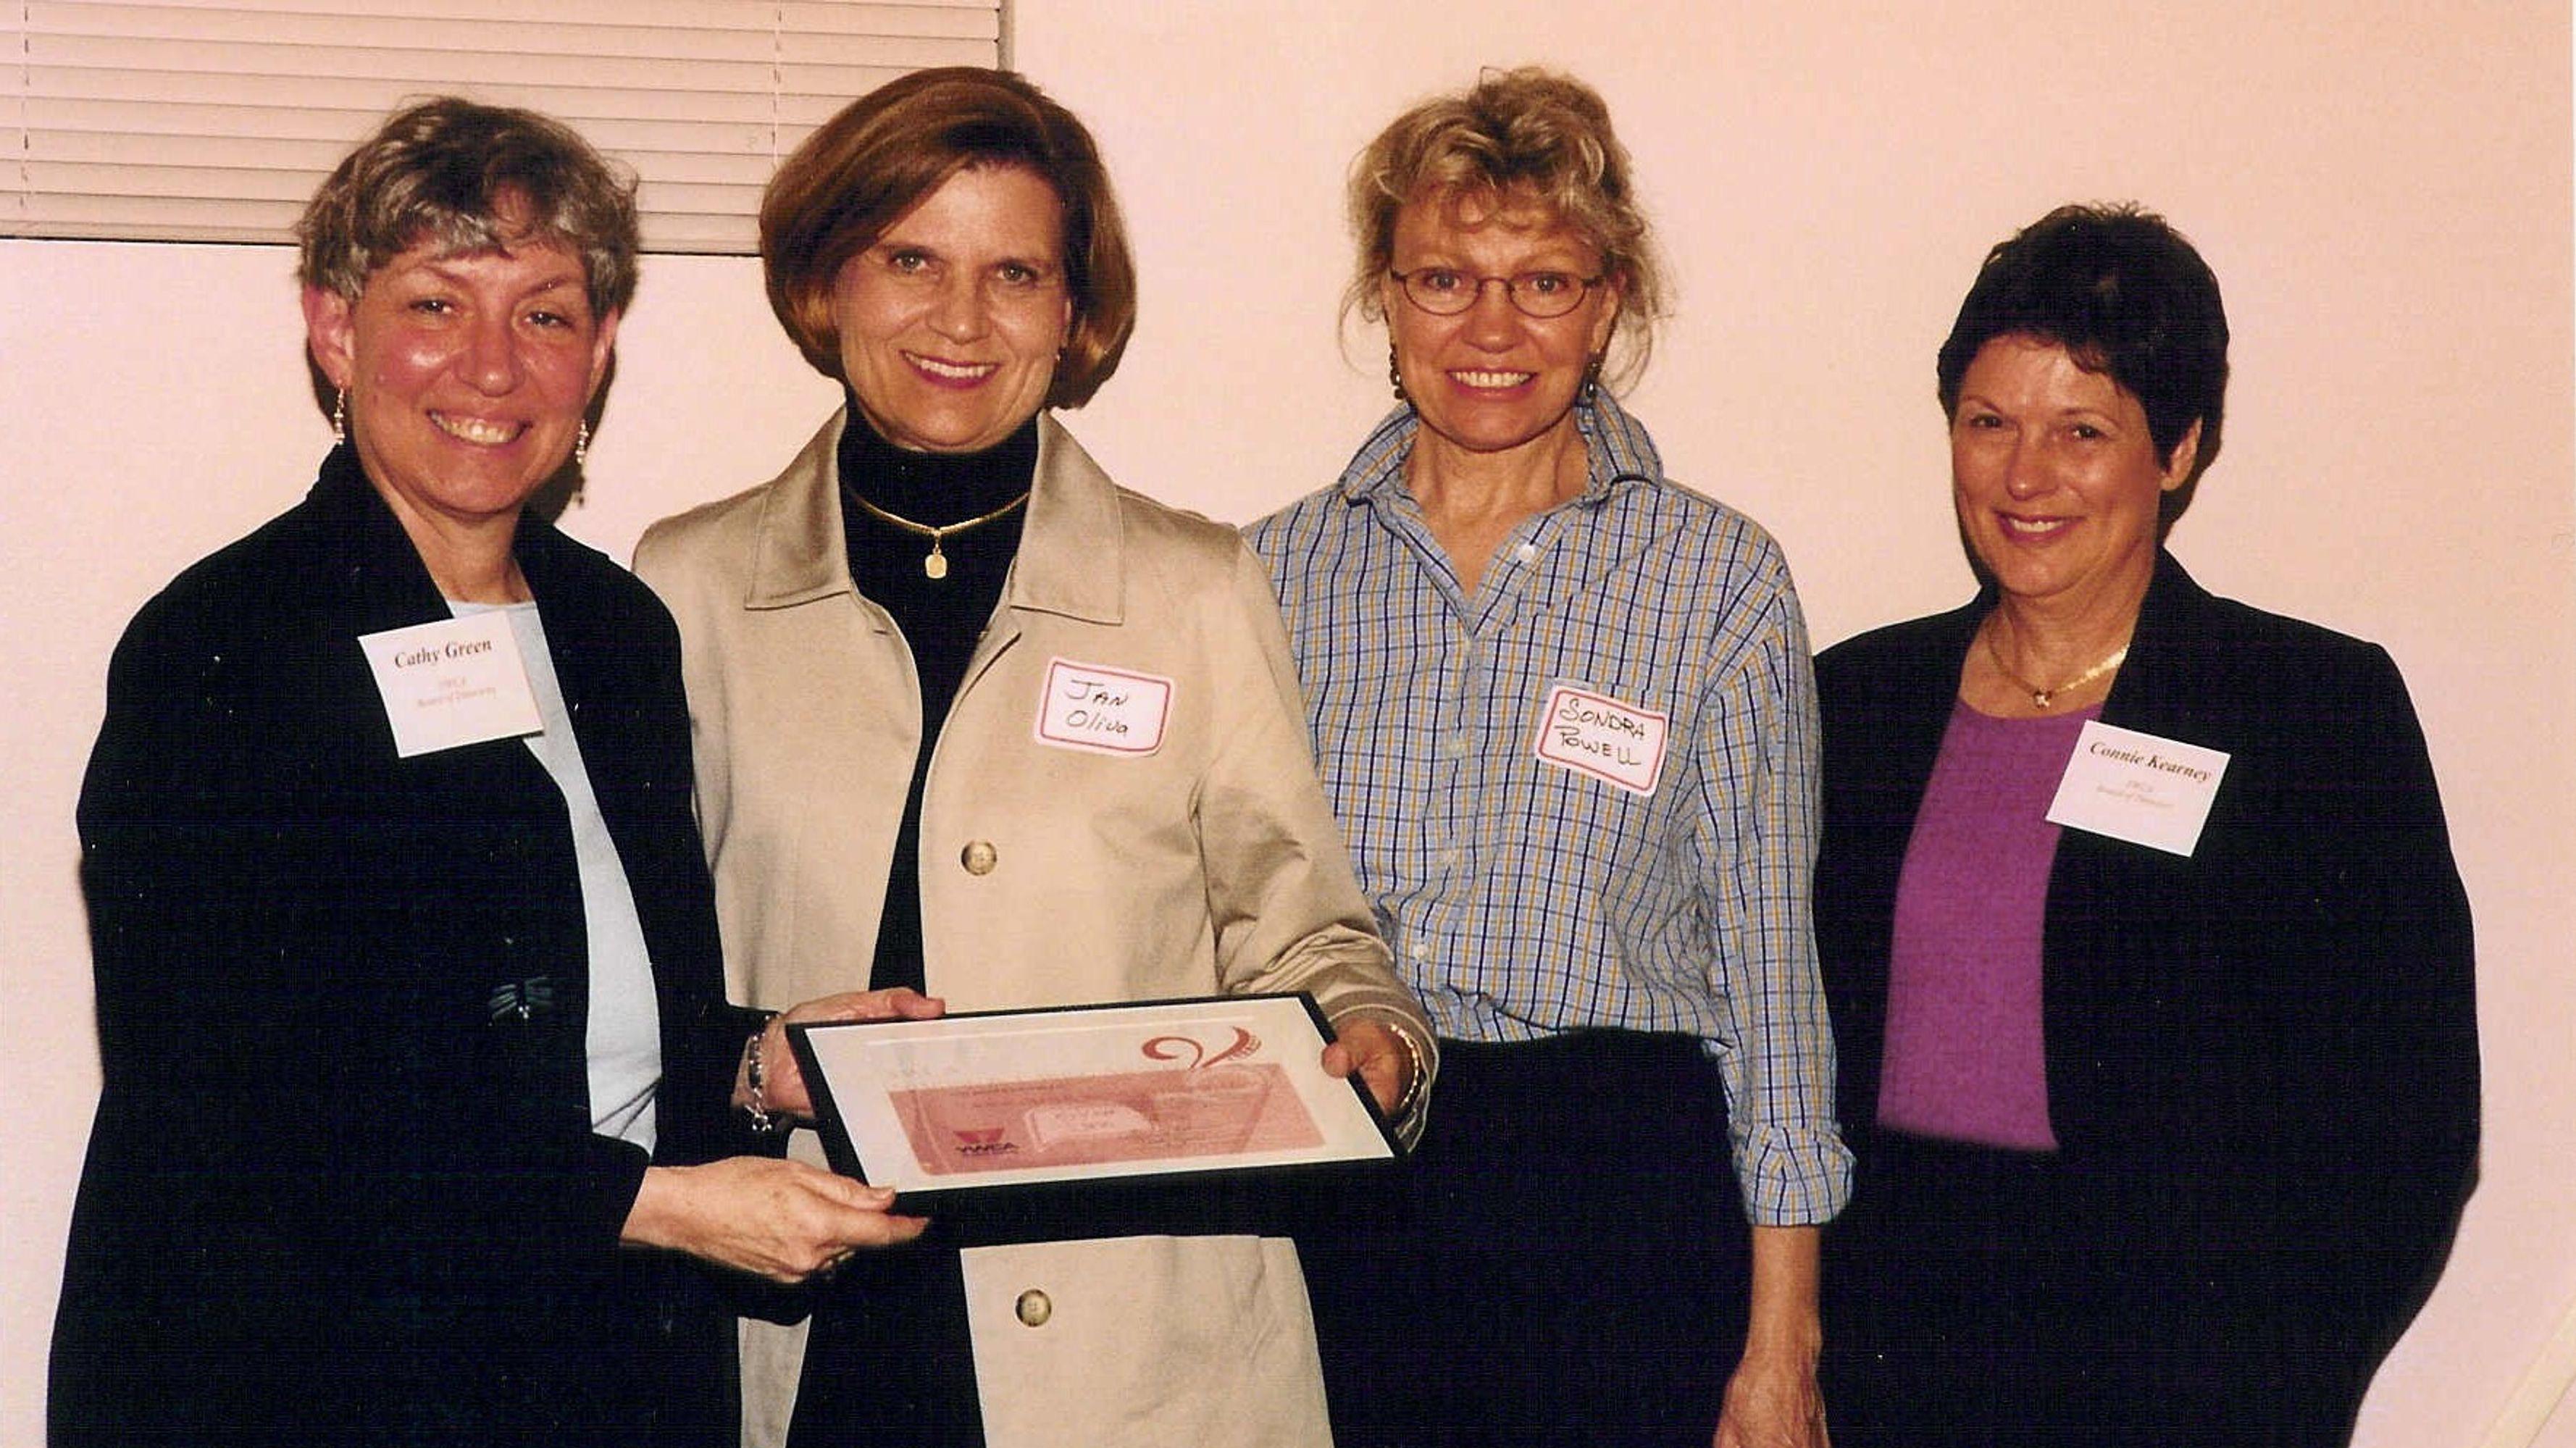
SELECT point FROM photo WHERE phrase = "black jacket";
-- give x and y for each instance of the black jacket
(342, 1185)
(2262, 1059)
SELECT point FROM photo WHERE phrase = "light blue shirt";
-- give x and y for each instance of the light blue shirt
(623, 1034)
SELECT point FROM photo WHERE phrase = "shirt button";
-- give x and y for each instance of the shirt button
(1458, 745)
(1421, 951)
(1034, 1308)
(1525, 552)
(978, 857)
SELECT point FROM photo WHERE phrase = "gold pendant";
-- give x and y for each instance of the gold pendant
(936, 564)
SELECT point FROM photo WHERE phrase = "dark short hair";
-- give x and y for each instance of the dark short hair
(891, 148)
(1527, 135)
(2126, 295)
(467, 177)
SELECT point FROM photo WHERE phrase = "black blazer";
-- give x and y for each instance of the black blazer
(2262, 1059)
(342, 1185)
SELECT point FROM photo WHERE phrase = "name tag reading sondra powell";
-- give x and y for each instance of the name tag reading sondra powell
(455, 682)
(1107, 711)
(2138, 787)
(1597, 735)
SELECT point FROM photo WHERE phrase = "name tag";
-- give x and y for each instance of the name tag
(458, 681)
(1106, 711)
(2138, 787)
(1596, 735)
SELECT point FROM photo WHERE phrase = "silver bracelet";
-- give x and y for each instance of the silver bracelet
(762, 1120)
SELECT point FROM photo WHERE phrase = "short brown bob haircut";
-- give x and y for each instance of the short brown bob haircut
(888, 150)
(1514, 138)
(466, 177)
(2127, 296)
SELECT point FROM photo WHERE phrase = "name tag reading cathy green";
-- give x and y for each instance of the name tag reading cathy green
(2138, 787)
(455, 682)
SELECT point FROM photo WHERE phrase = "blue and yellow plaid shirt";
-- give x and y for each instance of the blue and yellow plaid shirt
(1523, 896)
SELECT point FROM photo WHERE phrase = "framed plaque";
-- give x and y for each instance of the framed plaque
(1085, 1094)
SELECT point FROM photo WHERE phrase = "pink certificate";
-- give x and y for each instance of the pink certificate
(1085, 1093)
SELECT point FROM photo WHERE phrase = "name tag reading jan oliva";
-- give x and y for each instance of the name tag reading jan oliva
(459, 681)
(1103, 710)
(2138, 787)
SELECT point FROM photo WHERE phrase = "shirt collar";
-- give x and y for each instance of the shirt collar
(1617, 450)
(1071, 558)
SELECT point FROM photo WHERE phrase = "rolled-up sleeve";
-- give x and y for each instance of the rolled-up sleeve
(1756, 827)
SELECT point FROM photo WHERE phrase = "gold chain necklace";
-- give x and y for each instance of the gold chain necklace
(935, 563)
(2041, 698)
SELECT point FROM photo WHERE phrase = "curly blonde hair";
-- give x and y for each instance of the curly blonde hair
(1524, 137)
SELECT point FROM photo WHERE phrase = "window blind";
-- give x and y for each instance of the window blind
(213, 120)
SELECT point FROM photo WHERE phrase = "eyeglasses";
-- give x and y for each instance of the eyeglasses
(1446, 291)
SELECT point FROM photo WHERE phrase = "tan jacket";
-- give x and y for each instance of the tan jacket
(1049, 876)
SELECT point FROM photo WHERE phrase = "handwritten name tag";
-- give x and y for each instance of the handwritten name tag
(2138, 787)
(1596, 735)
(459, 681)
(1107, 711)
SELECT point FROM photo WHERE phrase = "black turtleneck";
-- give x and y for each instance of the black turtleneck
(940, 619)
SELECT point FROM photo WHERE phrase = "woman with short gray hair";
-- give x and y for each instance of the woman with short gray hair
(416, 1056)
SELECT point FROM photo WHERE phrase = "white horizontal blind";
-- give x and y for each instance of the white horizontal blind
(213, 120)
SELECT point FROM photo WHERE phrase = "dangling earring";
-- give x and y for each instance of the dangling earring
(1592, 381)
(581, 445)
(1395, 374)
(340, 420)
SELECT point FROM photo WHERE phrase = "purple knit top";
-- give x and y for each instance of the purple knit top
(1965, 1058)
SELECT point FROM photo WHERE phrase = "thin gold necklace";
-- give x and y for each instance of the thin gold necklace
(2041, 698)
(935, 563)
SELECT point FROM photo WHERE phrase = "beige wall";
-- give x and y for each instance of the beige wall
(2383, 188)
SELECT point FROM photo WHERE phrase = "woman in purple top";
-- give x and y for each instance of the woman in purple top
(2162, 1128)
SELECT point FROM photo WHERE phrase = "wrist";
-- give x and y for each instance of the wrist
(649, 1218)
(1796, 1342)
(754, 1096)
(1783, 1354)
(1417, 1067)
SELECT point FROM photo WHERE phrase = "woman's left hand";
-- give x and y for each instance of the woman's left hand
(1772, 1402)
(1374, 1051)
(782, 1081)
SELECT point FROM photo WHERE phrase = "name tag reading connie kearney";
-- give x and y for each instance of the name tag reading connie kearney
(1103, 710)
(1611, 741)
(2138, 787)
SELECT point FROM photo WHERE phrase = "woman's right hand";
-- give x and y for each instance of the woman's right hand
(782, 1091)
(783, 1220)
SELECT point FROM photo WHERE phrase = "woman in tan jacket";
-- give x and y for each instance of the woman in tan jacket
(972, 718)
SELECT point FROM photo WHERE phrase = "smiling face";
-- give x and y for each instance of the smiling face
(2055, 477)
(1491, 379)
(467, 376)
(952, 321)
